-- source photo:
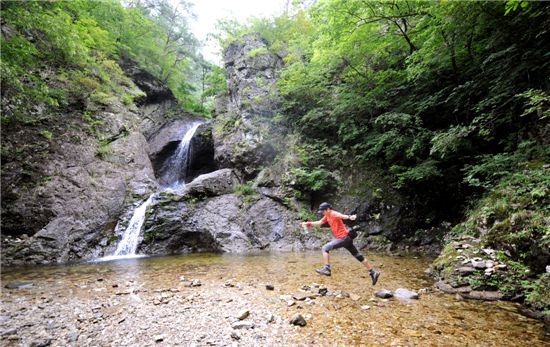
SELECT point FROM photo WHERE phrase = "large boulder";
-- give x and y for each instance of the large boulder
(207, 215)
(215, 183)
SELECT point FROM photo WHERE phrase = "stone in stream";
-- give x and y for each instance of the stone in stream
(402, 293)
(303, 296)
(383, 293)
(19, 285)
(483, 295)
(194, 283)
(160, 338)
(8, 332)
(243, 314)
(298, 319)
(41, 342)
(242, 325)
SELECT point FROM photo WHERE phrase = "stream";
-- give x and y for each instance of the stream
(195, 299)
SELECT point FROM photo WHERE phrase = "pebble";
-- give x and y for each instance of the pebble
(235, 336)
(298, 319)
(365, 307)
(402, 293)
(243, 314)
(269, 287)
(242, 325)
(383, 293)
(11, 331)
(160, 338)
(302, 296)
(19, 285)
(41, 342)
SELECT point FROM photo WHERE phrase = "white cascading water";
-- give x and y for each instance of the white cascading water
(127, 246)
(180, 161)
(129, 242)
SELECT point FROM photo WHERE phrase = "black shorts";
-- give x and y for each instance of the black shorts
(347, 243)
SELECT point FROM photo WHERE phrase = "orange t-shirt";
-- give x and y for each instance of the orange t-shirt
(334, 219)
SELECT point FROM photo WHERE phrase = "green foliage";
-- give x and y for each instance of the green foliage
(245, 189)
(491, 168)
(103, 150)
(56, 52)
(538, 102)
(312, 171)
(256, 51)
(47, 134)
(445, 97)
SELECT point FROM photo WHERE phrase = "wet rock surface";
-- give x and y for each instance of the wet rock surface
(144, 302)
(402, 293)
(383, 293)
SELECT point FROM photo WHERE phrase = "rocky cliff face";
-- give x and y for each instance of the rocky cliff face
(242, 131)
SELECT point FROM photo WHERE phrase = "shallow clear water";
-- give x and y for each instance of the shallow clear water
(138, 299)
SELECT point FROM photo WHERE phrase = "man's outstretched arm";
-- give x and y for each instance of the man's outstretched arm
(345, 216)
(312, 224)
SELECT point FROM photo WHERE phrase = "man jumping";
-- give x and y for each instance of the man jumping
(343, 238)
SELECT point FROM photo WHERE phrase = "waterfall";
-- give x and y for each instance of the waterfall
(179, 163)
(175, 178)
(127, 246)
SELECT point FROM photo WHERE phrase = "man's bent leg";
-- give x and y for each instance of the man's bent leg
(374, 274)
(326, 258)
(336, 243)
